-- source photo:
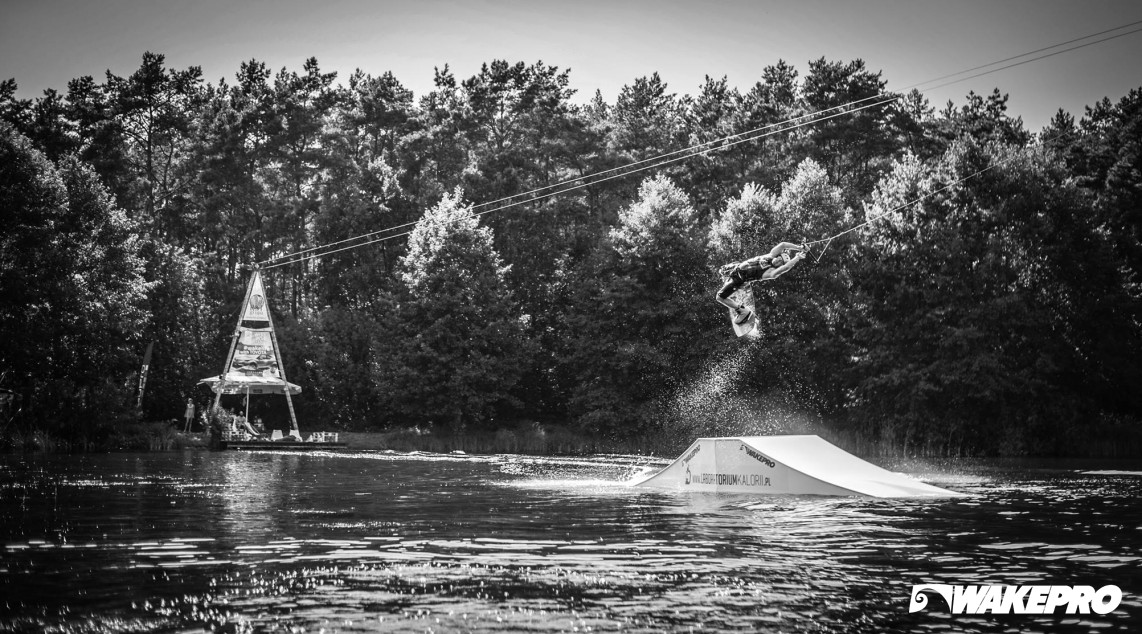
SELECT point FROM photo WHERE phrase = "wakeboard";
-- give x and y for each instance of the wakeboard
(744, 327)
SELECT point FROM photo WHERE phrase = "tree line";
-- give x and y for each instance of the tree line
(998, 314)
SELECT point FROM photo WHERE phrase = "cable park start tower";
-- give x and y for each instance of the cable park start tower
(254, 363)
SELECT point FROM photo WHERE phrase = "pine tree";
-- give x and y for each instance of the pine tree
(645, 314)
(71, 278)
(459, 347)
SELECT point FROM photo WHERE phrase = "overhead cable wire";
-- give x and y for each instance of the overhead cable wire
(870, 219)
(689, 152)
(719, 144)
(305, 255)
(899, 207)
(1028, 53)
(998, 163)
(626, 170)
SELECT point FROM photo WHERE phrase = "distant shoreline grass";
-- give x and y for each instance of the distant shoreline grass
(539, 440)
(529, 438)
(532, 439)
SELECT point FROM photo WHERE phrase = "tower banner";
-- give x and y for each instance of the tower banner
(256, 310)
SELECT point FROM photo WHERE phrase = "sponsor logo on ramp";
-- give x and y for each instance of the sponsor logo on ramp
(757, 455)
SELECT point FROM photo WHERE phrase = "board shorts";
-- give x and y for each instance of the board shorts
(738, 279)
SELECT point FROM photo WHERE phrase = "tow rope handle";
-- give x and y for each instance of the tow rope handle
(807, 250)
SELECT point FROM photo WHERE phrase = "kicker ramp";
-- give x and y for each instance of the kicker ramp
(783, 465)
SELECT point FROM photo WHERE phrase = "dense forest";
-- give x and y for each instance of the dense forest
(998, 314)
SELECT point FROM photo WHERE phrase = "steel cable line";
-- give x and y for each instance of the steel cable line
(897, 208)
(844, 105)
(708, 146)
(875, 217)
(693, 149)
(305, 255)
(626, 170)
(1038, 50)
(973, 175)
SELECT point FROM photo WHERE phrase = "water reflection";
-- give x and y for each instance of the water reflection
(252, 489)
(375, 541)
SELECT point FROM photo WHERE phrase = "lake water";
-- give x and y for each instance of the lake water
(369, 541)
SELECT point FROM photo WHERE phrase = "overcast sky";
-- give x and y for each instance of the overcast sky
(605, 43)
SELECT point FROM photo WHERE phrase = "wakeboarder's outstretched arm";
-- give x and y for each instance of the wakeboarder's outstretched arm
(773, 273)
(782, 247)
(762, 267)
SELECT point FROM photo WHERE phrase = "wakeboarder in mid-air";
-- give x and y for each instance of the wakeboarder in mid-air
(763, 267)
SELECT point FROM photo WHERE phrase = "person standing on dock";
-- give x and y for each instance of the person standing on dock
(189, 414)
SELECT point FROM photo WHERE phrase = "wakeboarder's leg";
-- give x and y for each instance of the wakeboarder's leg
(741, 313)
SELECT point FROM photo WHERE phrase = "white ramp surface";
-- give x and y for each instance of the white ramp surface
(783, 465)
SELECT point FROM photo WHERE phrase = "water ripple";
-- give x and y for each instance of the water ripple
(372, 541)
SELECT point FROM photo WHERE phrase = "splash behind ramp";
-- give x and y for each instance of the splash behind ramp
(783, 465)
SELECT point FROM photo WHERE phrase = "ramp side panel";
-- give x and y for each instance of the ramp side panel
(744, 469)
(672, 474)
(729, 465)
(782, 465)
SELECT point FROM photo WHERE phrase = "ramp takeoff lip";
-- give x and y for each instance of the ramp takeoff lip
(790, 465)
